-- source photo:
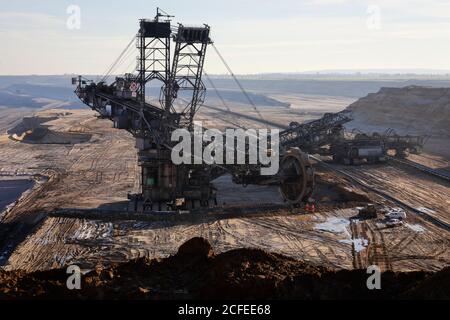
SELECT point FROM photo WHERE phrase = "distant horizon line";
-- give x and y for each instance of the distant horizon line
(325, 72)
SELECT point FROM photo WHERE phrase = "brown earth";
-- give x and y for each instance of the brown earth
(409, 110)
(196, 272)
(35, 130)
(98, 174)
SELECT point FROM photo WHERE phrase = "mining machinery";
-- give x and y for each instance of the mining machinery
(327, 136)
(373, 148)
(312, 136)
(402, 145)
(175, 56)
(359, 149)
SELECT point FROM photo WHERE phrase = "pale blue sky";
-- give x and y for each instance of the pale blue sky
(255, 36)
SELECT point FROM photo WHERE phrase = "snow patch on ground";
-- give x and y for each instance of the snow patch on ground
(339, 226)
(334, 225)
(359, 244)
(94, 230)
(416, 227)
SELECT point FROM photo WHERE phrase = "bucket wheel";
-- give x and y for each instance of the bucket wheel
(296, 176)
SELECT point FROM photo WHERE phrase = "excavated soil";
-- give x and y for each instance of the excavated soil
(197, 272)
(36, 130)
(97, 175)
(409, 110)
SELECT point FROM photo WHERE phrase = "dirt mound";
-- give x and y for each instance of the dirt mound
(434, 287)
(46, 136)
(195, 272)
(196, 247)
(413, 110)
(29, 123)
(32, 130)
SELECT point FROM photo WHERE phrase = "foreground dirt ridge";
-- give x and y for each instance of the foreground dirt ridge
(197, 272)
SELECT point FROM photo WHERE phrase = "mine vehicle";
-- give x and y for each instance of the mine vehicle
(369, 211)
(327, 136)
(402, 145)
(396, 213)
(362, 148)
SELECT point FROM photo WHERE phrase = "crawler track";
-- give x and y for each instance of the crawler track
(365, 185)
(420, 167)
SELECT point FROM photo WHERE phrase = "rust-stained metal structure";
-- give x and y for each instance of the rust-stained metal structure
(179, 69)
(166, 186)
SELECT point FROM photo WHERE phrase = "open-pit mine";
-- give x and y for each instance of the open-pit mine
(360, 183)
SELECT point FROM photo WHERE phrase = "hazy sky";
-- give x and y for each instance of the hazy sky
(255, 36)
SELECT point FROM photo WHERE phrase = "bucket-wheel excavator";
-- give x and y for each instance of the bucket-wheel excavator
(166, 186)
(179, 69)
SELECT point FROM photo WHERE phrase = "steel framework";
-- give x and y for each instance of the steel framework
(165, 185)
